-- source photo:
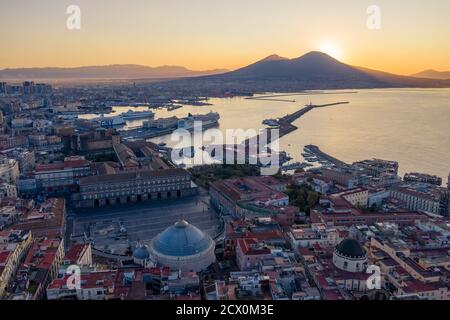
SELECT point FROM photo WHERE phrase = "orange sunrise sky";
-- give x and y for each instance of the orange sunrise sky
(210, 34)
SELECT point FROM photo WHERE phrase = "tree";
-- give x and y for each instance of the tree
(313, 198)
(303, 197)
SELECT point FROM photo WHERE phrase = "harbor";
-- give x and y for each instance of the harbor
(285, 126)
(163, 126)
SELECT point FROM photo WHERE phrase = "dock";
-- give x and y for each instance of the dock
(322, 156)
(285, 125)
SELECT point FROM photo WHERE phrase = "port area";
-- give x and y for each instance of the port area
(148, 133)
(145, 133)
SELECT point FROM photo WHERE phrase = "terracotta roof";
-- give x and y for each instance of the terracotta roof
(249, 247)
(75, 252)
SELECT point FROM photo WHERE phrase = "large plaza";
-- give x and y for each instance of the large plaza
(115, 228)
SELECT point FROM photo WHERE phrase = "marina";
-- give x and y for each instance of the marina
(322, 157)
(295, 166)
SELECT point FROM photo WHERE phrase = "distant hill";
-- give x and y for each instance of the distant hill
(314, 70)
(433, 74)
(128, 71)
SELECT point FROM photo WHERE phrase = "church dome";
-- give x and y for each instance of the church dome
(350, 256)
(141, 253)
(181, 239)
(184, 247)
(350, 248)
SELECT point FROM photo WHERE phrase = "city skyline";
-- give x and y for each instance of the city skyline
(210, 35)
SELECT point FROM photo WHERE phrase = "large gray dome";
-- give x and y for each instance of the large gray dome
(180, 240)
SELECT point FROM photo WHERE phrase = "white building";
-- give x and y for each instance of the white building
(9, 170)
(8, 190)
(301, 237)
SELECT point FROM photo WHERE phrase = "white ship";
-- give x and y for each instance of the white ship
(130, 114)
(204, 120)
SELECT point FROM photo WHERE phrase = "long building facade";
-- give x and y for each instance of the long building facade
(137, 186)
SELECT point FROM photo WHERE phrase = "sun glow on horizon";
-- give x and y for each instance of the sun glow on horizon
(332, 49)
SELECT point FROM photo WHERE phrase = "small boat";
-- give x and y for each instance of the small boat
(173, 107)
(271, 122)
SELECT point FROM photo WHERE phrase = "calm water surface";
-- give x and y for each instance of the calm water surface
(411, 126)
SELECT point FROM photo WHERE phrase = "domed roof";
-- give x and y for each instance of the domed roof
(350, 248)
(181, 239)
(141, 253)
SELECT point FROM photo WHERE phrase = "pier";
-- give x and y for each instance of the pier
(285, 125)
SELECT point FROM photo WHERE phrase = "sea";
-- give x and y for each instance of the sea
(411, 126)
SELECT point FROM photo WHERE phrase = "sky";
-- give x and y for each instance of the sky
(210, 34)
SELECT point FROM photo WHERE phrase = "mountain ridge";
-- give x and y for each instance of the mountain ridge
(433, 74)
(112, 71)
(317, 70)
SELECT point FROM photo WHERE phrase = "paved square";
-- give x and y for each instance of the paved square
(116, 227)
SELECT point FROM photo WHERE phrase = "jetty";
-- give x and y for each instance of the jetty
(285, 124)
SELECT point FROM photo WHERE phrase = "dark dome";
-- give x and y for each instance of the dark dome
(141, 253)
(350, 248)
(181, 239)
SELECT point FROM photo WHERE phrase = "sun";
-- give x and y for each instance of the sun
(331, 49)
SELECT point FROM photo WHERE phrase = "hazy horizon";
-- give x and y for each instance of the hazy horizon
(190, 69)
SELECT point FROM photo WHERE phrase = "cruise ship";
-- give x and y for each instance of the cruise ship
(130, 114)
(207, 121)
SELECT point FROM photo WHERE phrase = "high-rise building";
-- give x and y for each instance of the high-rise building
(448, 183)
(42, 88)
(28, 87)
(2, 87)
(448, 197)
